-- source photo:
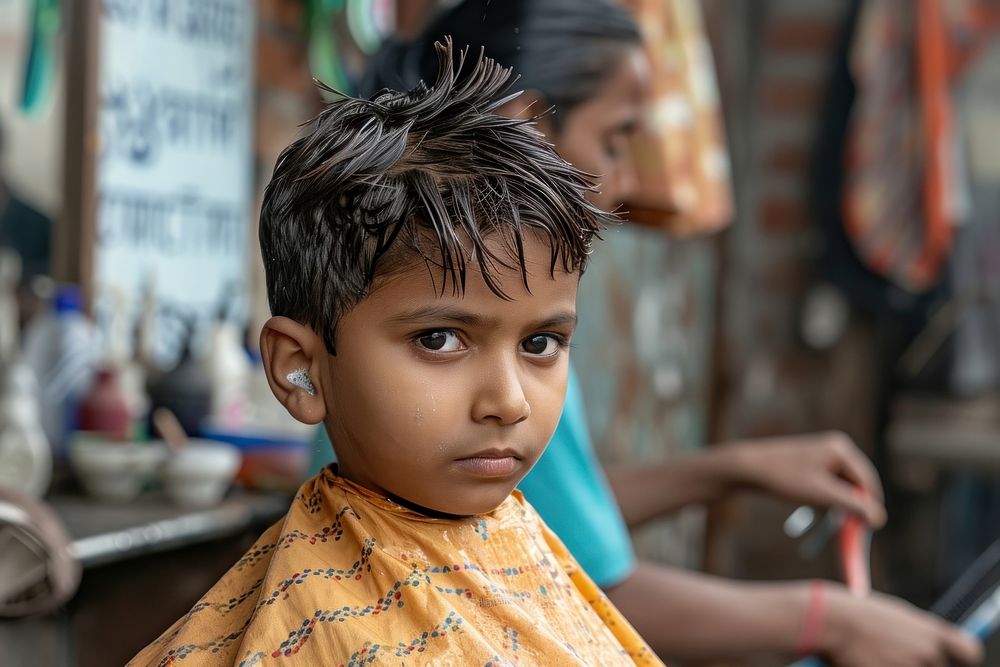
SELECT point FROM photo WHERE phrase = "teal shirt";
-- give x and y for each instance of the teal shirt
(569, 490)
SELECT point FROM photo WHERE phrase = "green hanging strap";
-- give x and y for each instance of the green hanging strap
(324, 58)
(39, 67)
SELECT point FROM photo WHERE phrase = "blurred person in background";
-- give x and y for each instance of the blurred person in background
(23, 228)
(28, 232)
(584, 60)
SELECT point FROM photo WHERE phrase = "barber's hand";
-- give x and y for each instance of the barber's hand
(819, 469)
(881, 631)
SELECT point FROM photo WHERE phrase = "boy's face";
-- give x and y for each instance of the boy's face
(448, 400)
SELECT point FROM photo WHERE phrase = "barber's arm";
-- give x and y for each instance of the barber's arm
(690, 616)
(819, 469)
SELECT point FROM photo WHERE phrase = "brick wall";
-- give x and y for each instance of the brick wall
(775, 57)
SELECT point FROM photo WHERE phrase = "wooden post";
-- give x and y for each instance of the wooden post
(74, 235)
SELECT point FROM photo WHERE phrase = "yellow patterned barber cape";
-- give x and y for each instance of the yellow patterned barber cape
(351, 578)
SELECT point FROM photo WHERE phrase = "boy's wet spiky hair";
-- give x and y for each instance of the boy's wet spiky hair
(427, 176)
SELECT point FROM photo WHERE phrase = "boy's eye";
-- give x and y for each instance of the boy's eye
(543, 345)
(440, 341)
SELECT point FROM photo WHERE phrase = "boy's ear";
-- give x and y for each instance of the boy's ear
(527, 105)
(287, 349)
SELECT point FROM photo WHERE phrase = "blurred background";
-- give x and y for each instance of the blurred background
(815, 244)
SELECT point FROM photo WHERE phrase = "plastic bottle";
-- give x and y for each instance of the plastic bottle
(10, 276)
(125, 379)
(104, 409)
(25, 456)
(229, 369)
(60, 347)
(186, 390)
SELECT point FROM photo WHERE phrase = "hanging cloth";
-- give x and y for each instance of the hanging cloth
(902, 196)
(680, 149)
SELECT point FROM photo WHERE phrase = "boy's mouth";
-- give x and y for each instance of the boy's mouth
(490, 463)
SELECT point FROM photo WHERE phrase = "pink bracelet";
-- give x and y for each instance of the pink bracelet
(813, 623)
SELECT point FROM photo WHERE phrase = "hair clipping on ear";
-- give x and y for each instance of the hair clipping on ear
(300, 378)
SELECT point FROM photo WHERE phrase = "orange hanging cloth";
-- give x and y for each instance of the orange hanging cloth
(682, 160)
(900, 198)
(935, 95)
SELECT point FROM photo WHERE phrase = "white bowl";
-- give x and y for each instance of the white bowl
(200, 474)
(114, 471)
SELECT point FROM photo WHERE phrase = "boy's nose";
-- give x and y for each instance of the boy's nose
(500, 398)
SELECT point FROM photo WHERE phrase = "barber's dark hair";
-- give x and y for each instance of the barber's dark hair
(564, 49)
(426, 176)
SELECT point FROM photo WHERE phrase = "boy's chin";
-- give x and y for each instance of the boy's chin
(484, 506)
(483, 500)
(467, 504)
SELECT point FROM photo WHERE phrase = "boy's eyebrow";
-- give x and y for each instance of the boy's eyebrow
(455, 314)
(558, 320)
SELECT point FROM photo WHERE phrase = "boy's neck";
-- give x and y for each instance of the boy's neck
(338, 470)
(425, 511)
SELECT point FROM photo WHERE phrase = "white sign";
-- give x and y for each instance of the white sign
(174, 172)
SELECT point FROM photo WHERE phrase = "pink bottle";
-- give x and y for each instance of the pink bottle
(104, 408)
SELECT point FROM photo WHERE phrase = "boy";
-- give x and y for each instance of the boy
(422, 257)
